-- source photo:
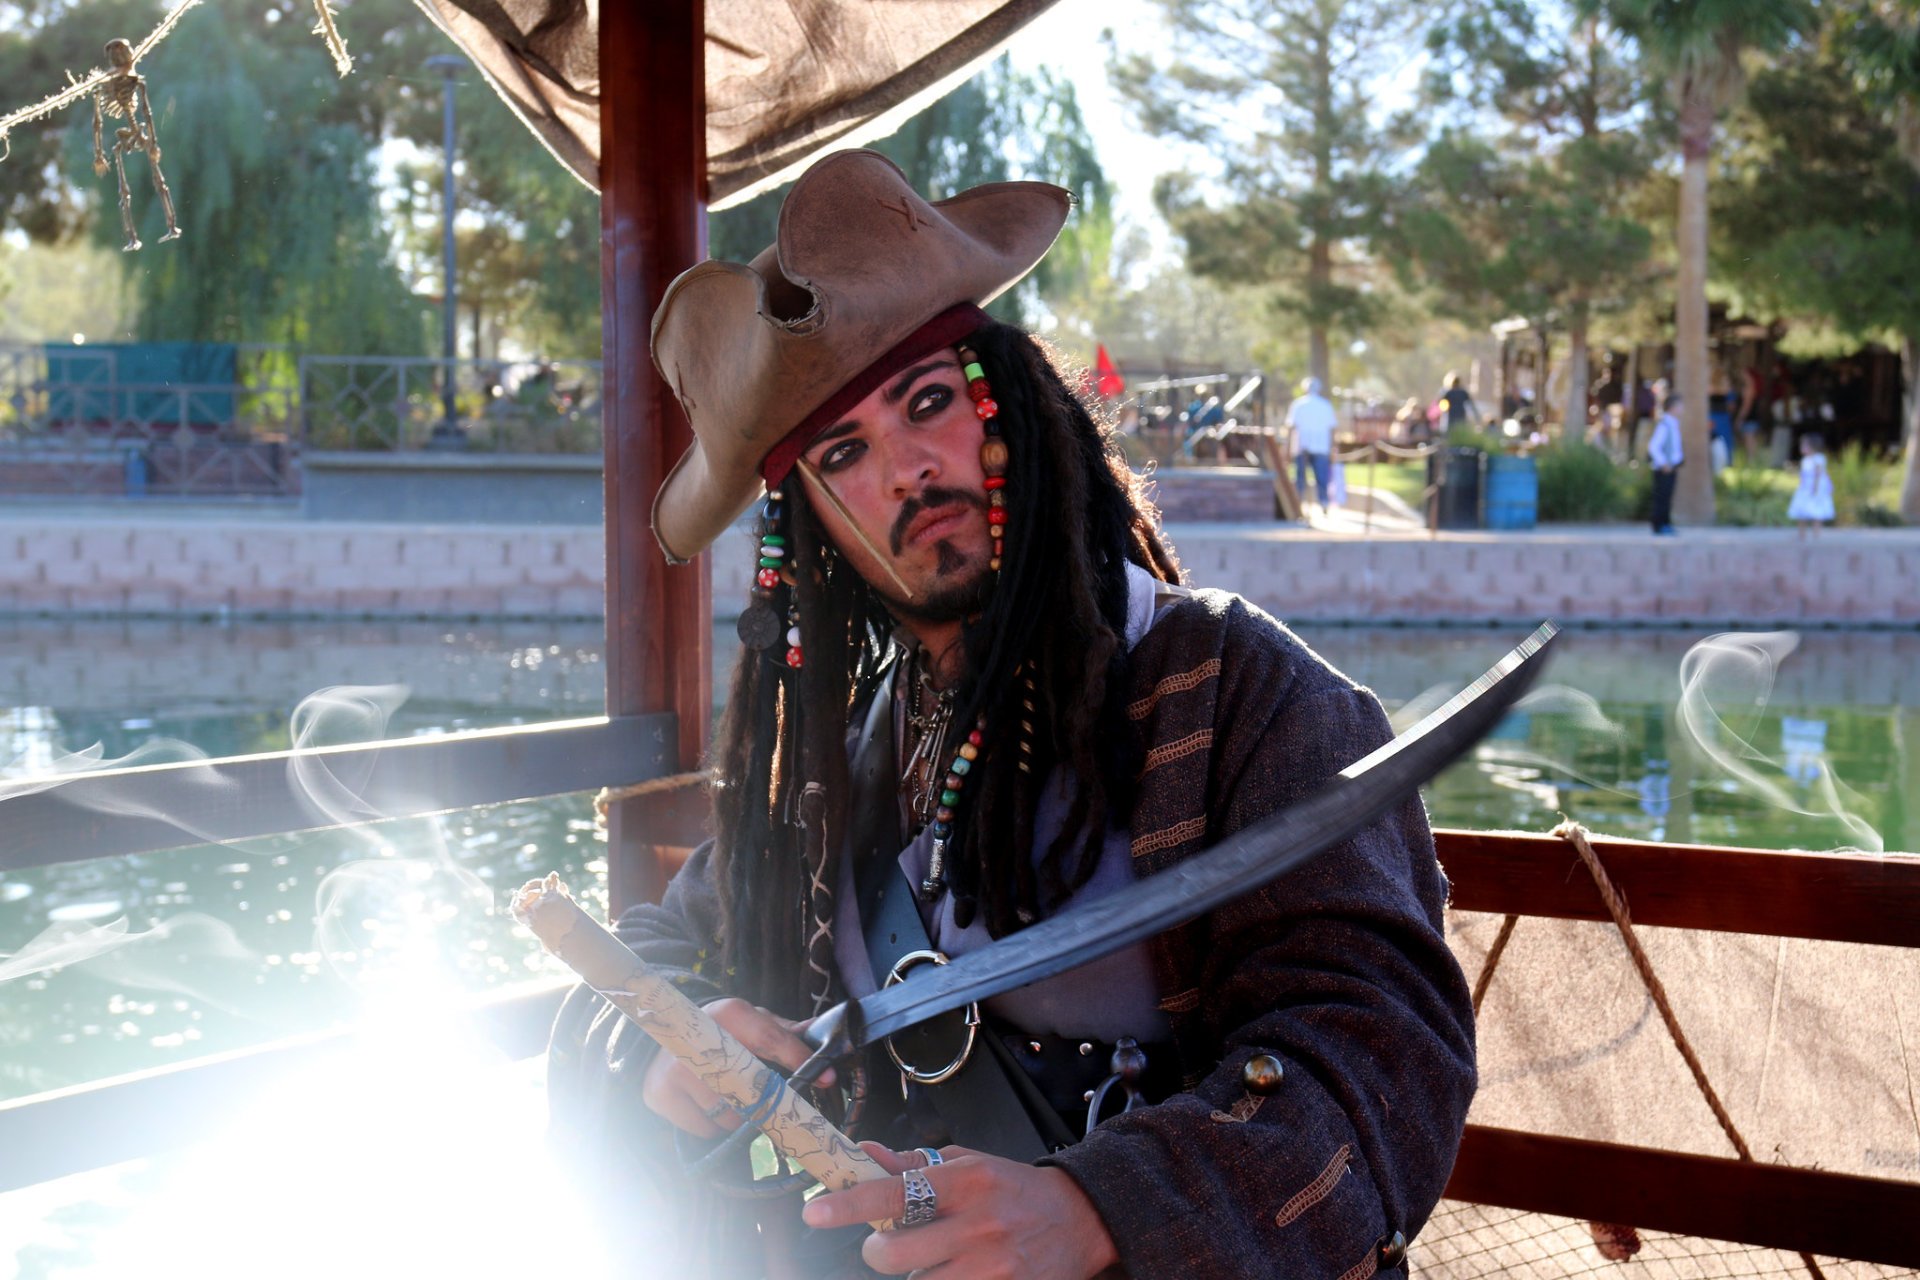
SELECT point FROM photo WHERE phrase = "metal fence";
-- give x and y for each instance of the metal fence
(84, 432)
(72, 427)
(495, 406)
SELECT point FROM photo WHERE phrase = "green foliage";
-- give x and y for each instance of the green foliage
(1859, 478)
(1001, 125)
(1281, 98)
(1696, 44)
(269, 156)
(1752, 496)
(1536, 217)
(1817, 211)
(1578, 482)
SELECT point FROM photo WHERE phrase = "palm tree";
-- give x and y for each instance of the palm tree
(1881, 42)
(1696, 47)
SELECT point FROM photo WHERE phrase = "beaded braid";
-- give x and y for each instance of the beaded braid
(993, 465)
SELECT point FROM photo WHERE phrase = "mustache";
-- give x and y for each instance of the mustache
(928, 498)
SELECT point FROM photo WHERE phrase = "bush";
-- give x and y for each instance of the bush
(1579, 482)
(1857, 479)
(1751, 497)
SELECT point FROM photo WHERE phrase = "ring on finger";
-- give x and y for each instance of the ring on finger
(922, 1203)
(933, 1157)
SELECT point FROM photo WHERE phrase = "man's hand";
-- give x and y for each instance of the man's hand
(675, 1094)
(994, 1218)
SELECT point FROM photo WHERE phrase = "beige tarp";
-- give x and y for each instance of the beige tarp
(785, 78)
(1814, 1047)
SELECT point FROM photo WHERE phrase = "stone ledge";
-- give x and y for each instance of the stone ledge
(1601, 577)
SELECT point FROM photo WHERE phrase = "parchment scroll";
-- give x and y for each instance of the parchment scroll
(685, 1030)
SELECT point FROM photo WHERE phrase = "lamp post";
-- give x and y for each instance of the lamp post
(447, 433)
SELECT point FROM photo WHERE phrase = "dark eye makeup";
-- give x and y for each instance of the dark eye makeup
(928, 400)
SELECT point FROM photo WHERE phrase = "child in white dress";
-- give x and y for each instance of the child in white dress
(1812, 503)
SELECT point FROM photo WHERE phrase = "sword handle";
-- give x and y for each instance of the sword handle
(686, 1031)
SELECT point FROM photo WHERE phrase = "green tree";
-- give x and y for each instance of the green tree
(1279, 92)
(40, 42)
(1001, 125)
(1879, 41)
(283, 241)
(1535, 220)
(1818, 209)
(1696, 47)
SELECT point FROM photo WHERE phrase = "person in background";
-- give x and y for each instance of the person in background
(1410, 425)
(1746, 415)
(1665, 453)
(1461, 412)
(1313, 421)
(1812, 504)
(1720, 402)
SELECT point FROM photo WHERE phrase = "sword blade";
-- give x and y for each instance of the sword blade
(1236, 866)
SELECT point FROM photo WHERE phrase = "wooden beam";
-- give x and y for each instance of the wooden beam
(652, 227)
(68, 1131)
(1775, 1206)
(120, 811)
(1845, 897)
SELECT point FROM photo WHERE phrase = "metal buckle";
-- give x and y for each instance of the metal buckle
(901, 967)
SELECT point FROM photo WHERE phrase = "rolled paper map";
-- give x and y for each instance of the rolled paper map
(685, 1030)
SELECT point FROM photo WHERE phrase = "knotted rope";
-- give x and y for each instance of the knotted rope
(1577, 835)
(608, 796)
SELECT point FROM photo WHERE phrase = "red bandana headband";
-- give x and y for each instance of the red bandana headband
(943, 330)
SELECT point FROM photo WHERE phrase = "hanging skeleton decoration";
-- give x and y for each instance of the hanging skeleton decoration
(124, 97)
(119, 92)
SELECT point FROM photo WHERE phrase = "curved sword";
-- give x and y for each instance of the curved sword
(1236, 866)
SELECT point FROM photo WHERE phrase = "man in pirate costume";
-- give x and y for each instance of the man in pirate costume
(972, 693)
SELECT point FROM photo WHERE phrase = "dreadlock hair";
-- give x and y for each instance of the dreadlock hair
(1045, 663)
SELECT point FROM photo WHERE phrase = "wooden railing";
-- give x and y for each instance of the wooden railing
(1840, 897)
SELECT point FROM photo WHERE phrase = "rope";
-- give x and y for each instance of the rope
(1577, 836)
(1498, 949)
(608, 796)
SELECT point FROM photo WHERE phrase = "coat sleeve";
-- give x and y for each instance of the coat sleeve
(1339, 971)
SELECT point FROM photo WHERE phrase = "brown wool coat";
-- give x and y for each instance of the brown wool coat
(1340, 970)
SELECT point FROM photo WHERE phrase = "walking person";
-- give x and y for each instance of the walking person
(1312, 417)
(1665, 453)
(1812, 504)
(973, 692)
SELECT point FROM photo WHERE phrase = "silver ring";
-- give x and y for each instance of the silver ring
(933, 1157)
(922, 1203)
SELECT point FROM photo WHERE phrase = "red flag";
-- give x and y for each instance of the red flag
(1111, 383)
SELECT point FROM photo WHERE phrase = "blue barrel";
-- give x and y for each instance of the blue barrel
(1512, 489)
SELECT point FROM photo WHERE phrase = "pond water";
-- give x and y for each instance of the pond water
(216, 947)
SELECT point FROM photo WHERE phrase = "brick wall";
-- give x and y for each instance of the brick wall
(271, 568)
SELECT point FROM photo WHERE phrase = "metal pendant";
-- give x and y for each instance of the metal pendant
(759, 626)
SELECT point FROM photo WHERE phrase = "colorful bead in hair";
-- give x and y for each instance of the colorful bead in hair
(954, 784)
(760, 625)
(993, 450)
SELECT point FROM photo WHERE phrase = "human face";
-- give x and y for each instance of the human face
(905, 463)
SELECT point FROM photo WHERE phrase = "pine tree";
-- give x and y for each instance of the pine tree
(1279, 91)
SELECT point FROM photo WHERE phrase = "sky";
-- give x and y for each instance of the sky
(1066, 39)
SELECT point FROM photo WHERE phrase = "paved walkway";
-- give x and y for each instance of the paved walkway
(235, 559)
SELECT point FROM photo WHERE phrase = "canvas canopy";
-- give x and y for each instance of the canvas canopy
(784, 78)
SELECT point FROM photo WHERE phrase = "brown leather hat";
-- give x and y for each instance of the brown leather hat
(864, 277)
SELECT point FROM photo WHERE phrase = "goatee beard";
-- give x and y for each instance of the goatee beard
(961, 593)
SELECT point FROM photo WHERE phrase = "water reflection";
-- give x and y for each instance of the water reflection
(230, 951)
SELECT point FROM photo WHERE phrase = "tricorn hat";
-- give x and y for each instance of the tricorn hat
(863, 277)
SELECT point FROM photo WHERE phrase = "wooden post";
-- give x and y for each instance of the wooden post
(652, 227)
